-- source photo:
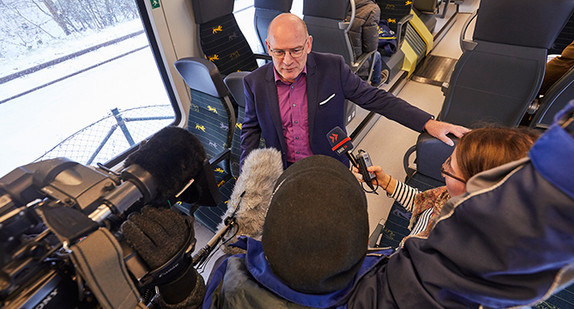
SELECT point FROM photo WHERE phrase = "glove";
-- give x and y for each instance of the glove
(157, 235)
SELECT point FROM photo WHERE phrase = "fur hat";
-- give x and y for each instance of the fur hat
(315, 235)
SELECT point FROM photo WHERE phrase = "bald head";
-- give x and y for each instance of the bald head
(288, 43)
(286, 24)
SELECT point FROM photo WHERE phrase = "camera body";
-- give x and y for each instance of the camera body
(47, 206)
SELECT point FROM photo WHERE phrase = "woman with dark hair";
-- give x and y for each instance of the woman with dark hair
(479, 150)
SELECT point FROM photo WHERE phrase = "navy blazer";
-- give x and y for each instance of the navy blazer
(329, 82)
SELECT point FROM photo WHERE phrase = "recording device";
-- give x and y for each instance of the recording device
(364, 161)
(47, 206)
(341, 143)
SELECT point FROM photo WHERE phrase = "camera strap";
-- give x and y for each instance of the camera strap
(99, 260)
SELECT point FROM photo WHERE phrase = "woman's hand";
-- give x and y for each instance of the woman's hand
(384, 180)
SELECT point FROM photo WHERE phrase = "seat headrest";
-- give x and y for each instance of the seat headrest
(201, 75)
(208, 10)
(234, 82)
(531, 23)
(333, 9)
(278, 5)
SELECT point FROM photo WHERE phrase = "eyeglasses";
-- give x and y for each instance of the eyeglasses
(445, 172)
(294, 52)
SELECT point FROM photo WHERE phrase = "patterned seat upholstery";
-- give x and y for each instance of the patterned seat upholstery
(397, 13)
(212, 119)
(220, 37)
(234, 82)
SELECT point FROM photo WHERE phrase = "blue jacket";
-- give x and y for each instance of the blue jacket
(246, 280)
(508, 242)
(327, 75)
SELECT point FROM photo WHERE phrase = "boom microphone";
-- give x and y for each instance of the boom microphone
(159, 169)
(252, 193)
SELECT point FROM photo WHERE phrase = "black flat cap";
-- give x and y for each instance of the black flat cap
(315, 235)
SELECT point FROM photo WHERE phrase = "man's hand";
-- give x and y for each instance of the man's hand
(440, 129)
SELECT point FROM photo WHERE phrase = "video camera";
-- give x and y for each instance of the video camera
(48, 206)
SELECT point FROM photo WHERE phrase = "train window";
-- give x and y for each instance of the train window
(78, 79)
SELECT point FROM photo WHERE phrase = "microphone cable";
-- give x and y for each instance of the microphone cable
(204, 256)
(371, 191)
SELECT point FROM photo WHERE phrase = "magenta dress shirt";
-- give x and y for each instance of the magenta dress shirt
(294, 116)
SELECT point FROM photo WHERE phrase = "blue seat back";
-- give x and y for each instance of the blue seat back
(265, 12)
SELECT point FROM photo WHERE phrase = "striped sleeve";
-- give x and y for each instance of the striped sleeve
(422, 222)
(405, 195)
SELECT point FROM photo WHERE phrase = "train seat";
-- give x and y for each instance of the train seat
(234, 82)
(555, 100)
(326, 22)
(220, 37)
(500, 71)
(265, 11)
(426, 10)
(497, 78)
(212, 119)
(397, 14)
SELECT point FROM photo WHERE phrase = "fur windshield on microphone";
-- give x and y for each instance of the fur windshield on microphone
(172, 156)
(252, 194)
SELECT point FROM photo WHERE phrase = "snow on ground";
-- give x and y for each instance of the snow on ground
(33, 123)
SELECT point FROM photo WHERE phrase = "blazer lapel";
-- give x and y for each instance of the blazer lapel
(273, 105)
(311, 92)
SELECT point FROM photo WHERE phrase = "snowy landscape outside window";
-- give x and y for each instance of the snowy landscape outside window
(78, 79)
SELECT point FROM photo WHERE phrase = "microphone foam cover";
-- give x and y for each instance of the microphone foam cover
(252, 193)
(172, 156)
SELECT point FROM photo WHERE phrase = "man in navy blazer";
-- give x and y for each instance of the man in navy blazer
(294, 102)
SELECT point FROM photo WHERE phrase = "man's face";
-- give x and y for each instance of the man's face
(289, 50)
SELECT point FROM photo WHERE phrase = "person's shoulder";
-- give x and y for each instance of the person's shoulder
(320, 57)
(259, 72)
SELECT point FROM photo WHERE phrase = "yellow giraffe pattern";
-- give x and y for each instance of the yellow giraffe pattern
(198, 127)
(212, 109)
(217, 29)
(234, 55)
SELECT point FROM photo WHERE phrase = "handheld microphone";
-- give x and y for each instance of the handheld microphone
(341, 143)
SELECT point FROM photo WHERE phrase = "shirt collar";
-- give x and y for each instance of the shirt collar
(278, 77)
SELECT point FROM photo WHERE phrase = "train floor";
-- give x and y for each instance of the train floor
(387, 141)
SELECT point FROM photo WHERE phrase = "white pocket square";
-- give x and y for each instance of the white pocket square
(327, 100)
